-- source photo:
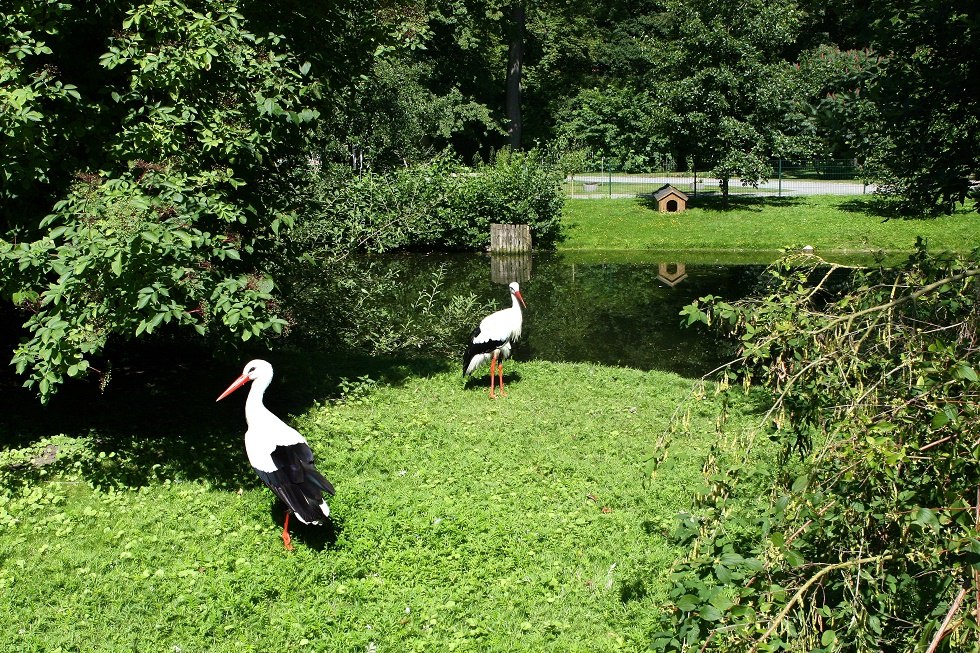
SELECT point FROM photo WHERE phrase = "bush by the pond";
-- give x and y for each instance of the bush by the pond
(515, 188)
(440, 204)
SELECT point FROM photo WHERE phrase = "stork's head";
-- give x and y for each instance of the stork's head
(254, 369)
(515, 290)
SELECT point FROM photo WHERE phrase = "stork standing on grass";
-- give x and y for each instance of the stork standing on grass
(492, 340)
(280, 455)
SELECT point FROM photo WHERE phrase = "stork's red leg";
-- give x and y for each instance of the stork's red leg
(288, 541)
(500, 370)
(493, 371)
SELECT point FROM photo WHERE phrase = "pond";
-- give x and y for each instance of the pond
(610, 308)
(607, 307)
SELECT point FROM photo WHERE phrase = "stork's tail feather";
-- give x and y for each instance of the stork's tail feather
(314, 477)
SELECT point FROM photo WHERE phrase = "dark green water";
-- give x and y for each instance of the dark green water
(613, 309)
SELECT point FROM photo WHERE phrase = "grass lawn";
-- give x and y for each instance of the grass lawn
(830, 224)
(461, 523)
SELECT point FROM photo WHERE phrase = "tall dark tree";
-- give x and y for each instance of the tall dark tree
(515, 63)
(926, 141)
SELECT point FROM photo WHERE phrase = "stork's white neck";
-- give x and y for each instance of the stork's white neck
(515, 333)
(255, 410)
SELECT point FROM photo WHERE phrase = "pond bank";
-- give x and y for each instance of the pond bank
(833, 226)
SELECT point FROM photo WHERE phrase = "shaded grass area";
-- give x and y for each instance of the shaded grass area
(829, 224)
(460, 523)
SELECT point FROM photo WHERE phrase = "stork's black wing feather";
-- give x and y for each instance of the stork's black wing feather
(297, 482)
(477, 348)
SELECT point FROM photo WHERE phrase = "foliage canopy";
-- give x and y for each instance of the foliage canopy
(162, 149)
(152, 230)
(869, 541)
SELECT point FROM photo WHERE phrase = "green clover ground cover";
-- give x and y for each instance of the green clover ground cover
(461, 523)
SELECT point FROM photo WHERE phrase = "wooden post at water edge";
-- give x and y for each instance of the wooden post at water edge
(510, 238)
(510, 253)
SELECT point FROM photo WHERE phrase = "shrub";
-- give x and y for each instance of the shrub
(438, 205)
(515, 188)
(869, 542)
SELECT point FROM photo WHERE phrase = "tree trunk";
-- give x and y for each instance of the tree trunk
(724, 193)
(514, 74)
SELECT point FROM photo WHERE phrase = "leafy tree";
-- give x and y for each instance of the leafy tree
(729, 86)
(870, 540)
(625, 126)
(836, 84)
(925, 142)
(154, 227)
(518, 61)
(44, 112)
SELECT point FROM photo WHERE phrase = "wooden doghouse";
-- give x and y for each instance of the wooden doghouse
(670, 200)
(672, 278)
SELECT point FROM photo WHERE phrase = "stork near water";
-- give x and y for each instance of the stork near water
(280, 455)
(492, 340)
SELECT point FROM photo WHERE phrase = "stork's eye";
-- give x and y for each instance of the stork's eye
(251, 369)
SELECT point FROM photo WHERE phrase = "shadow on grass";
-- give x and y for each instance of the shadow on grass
(315, 537)
(159, 418)
(737, 202)
(879, 207)
(483, 382)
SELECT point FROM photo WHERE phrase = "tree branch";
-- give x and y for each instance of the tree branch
(941, 633)
(803, 589)
(924, 290)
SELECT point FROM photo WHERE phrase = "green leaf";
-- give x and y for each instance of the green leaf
(184, 237)
(687, 603)
(828, 638)
(794, 558)
(800, 483)
(723, 574)
(926, 517)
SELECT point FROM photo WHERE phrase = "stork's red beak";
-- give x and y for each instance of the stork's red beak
(518, 294)
(239, 382)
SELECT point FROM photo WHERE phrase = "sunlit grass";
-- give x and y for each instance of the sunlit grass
(522, 524)
(827, 223)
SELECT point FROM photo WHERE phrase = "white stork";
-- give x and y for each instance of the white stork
(493, 338)
(280, 455)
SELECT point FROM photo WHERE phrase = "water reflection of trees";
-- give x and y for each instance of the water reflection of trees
(611, 313)
(624, 314)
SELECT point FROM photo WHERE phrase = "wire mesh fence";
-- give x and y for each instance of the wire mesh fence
(818, 177)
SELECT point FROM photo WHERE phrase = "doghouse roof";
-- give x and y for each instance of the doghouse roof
(666, 190)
